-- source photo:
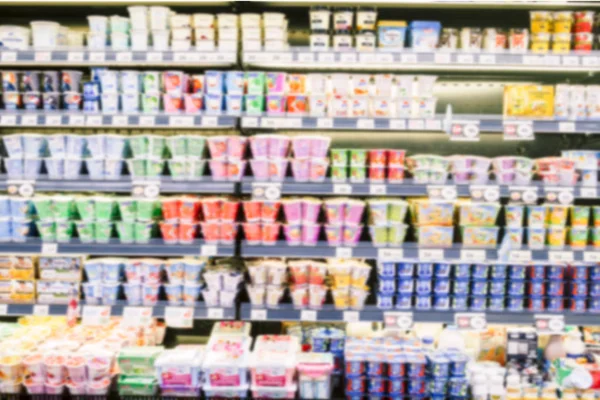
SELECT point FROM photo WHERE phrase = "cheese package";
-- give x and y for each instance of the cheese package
(529, 101)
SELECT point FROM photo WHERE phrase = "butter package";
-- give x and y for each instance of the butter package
(478, 214)
(427, 212)
(529, 101)
(435, 236)
(480, 236)
(67, 269)
(55, 292)
(391, 34)
(22, 291)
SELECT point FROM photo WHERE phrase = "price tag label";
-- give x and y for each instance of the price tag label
(42, 56)
(76, 120)
(53, 120)
(154, 56)
(258, 315)
(29, 120)
(551, 60)
(442, 58)
(324, 123)
(250, 122)
(343, 252)
(366, 58)
(465, 59)
(532, 60)
(179, 317)
(270, 123)
(518, 130)
(560, 256)
(9, 56)
(293, 123)
(209, 250)
(9, 120)
(180, 56)
(363, 123)
(398, 320)
(549, 323)
(147, 120)
(308, 315)
(390, 254)
(41, 310)
(433, 125)
(472, 255)
(147, 189)
(559, 195)
(351, 316)
(431, 255)
(588, 193)
(95, 315)
(97, 56)
(570, 61)
(438, 192)
(124, 56)
(484, 193)
(377, 190)
(591, 256)
(306, 57)
(49, 249)
(408, 58)
(214, 313)
(523, 194)
(93, 120)
(3, 309)
(519, 256)
(348, 58)
(464, 130)
(567, 127)
(342, 188)
(384, 58)
(470, 321)
(210, 122)
(398, 124)
(266, 191)
(487, 59)
(120, 120)
(136, 316)
(326, 57)
(590, 61)
(75, 56)
(179, 121)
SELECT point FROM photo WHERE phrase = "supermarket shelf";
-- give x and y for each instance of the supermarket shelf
(287, 312)
(156, 247)
(302, 58)
(494, 123)
(158, 311)
(78, 119)
(326, 123)
(406, 188)
(123, 185)
(85, 57)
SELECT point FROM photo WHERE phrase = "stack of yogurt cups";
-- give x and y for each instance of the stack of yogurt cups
(15, 218)
(104, 30)
(184, 280)
(106, 153)
(148, 152)
(104, 276)
(268, 30)
(222, 286)
(120, 91)
(267, 280)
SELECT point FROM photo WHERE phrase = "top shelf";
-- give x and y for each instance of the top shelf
(125, 58)
(302, 58)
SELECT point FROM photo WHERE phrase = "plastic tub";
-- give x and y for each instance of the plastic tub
(226, 392)
(179, 367)
(314, 375)
(45, 34)
(261, 392)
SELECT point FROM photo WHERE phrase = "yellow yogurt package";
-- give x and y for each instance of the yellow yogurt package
(529, 101)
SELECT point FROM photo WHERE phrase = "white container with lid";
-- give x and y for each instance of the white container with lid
(98, 23)
(266, 392)
(201, 20)
(343, 18)
(204, 34)
(251, 20)
(227, 20)
(180, 366)
(139, 40)
(342, 41)
(366, 18)
(119, 41)
(365, 40)
(160, 40)
(314, 375)
(319, 40)
(138, 16)
(274, 19)
(180, 21)
(320, 17)
(45, 34)
(159, 17)
(181, 33)
(228, 33)
(14, 37)
(96, 40)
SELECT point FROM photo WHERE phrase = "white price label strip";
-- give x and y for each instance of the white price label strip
(147, 120)
(377, 190)
(549, 323)
(351, 316)
(124, 56)
(308, 315)
(250, 122)
(75, 56)
(41, 310)
(95, 315)
(398, 320)
(324, 123)
(43, 56)
(29, 120)
(120, 120)
(3, 309)
(214, 313)
(519, 256)
(472, 255)
(560, 256)
(154, 56)
(470, 321)
(179, 317)
(365, 124)
(136, 316)
(342, 188)
(343, 252)
(53, 120)
(49, 249)
(8, 120)
(390, 254)
(209, 250)
(431, 254)
(9, 56)
(258, 315)
(76, 120)
(591, 256)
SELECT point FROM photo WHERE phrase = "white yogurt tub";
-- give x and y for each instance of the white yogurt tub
(181, 33)
(139, 40)
(159, 17)
(119, 41)
(96, 40)
(45, 34)
(320, 17)
(274, 19)
(319, 40)
(201, 20)
(226, 20)
(138, 16)
(180, 21)
(119, 24)
(160, 40)
(98, 23)
(75, 39)
(250, 20)
(14, 37)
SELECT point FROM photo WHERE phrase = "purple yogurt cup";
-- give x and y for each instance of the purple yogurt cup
(334, 234)
(319, 146)
(310, 234)
(293, 234)
(301, 146)
(260, 169)
(353, 212)
(259, 145)
(301, 169)
(335, 211)
(352, 235)
(278, 146)
(277, 169)
(311, 208)
(292, 208)
(318, 169)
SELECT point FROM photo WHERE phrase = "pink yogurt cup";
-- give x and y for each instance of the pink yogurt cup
(311, 210)
(505, 178)
(292, 208)
(76, 369)
(293, 234)
(54, 365)
(77, 389)
(353, 212)
(34, 367)
(260, 169)
(218, 169)
(172, 103)
(334, 211)
(277, 169)
(310, 234)
(193, 102)
(319, 146)
(236, 146)
(318, 169)
(99, 367)
(235, 170)
(278, 146)
(270, 233)
(352, 235)
(301, 169)
(54, 389)
(259, 145)
(34, 387)
(301, 146)
(299, 295)
(334, 234)
(217, 146)
(275, 104)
